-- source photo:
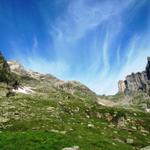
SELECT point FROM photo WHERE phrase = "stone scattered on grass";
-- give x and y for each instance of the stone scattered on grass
(3, 120)
(90, 125)
(145, 148)
(118, 140)
(72, 148)
(134, 128)
(50, 109)
(57, 131)
(129, 141)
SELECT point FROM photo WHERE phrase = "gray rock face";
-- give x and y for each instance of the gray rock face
(138, 81)
(121, 86)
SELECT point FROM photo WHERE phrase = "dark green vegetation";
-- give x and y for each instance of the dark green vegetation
(6, 76)
(8, 80)
(64, 114)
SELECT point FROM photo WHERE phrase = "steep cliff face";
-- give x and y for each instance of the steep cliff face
(121, 86)
(138, 81)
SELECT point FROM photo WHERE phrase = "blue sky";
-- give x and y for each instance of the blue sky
(97, 42)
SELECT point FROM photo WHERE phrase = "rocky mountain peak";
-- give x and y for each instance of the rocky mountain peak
(14, 65)
(137, 81)
(17, 68)
(148, 68)
(45, 83)
(148, 59)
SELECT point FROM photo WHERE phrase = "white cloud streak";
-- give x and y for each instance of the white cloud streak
(136, 62)
(69, 29)
(84, 16)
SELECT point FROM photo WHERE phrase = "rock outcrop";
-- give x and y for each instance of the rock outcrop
(121, 86)
(137, 81)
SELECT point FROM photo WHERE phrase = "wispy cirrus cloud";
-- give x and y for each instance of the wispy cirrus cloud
(83, 17)
(135, 62)
(95, 42)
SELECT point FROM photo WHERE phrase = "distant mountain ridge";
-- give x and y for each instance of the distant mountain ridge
(40, 83)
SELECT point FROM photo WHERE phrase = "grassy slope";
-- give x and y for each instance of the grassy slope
(58, 120)
(54, 119)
